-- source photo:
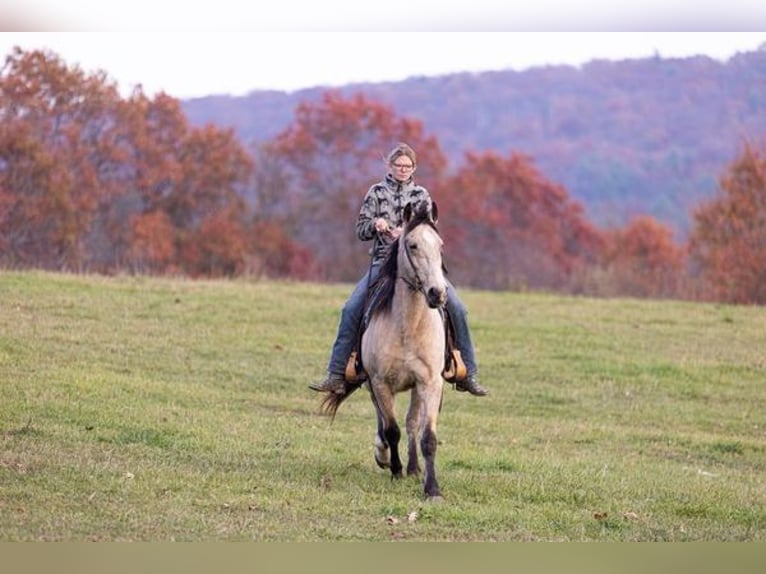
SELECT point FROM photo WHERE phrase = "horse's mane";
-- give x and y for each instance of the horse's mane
(382, 289)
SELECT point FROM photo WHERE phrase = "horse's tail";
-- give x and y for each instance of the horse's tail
(331, 403)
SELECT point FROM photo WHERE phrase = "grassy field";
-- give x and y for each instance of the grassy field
(146, 409)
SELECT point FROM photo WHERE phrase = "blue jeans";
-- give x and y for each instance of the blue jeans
(351, 317)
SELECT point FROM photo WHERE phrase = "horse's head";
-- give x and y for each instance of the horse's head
(420, 253)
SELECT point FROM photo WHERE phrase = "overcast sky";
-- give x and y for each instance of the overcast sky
(189, 50)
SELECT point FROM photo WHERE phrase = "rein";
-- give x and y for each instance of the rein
(417, 285)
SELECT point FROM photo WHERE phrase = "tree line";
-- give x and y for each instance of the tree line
(647, 134)
(91, 181)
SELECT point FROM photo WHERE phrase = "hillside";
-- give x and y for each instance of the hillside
(634, 136)
(156, 410)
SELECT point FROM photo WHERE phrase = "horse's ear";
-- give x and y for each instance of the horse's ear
(434, 212)
(407, 215)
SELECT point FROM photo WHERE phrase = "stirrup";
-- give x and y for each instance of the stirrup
(456, 370)
(352, 374)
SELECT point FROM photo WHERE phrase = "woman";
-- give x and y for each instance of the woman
(380, 221)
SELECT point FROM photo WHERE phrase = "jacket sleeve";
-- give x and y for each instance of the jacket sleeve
(368, 212)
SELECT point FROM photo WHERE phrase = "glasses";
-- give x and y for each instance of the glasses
(403, 166)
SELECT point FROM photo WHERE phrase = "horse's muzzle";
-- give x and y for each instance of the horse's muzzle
(436, 297)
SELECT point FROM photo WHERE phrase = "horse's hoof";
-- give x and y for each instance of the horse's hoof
(382, 453)
(436, 498)
(382, 457)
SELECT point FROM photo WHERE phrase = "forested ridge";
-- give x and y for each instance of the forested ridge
(644, 136)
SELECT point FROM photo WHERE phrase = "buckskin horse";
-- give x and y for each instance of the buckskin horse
(403, 346)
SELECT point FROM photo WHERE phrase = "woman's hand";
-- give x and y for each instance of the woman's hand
(381, 225)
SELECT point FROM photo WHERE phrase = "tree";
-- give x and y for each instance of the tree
(277, 255)
(152, 247)
(643, 260)
(89, 180)
(218, 247)
(728, 240)
(507, 226)
(56, 154)
(194, 176)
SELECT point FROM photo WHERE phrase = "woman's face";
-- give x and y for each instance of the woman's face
(402, 168)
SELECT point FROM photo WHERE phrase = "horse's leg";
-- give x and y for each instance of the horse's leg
(413, 428)
(382, 452)
(431, 402)
(388, 429)
(393, 434)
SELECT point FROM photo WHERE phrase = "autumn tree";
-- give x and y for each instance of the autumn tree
(728, 241)
(181, 182)
(507, 226)
(57, 154)
(276, 254)
(642, 260)
(314, 174)
(89, 180)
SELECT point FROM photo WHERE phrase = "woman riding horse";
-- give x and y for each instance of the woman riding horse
(380, 220)
(403, 346)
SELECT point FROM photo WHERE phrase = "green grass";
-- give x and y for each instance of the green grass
(157, 409)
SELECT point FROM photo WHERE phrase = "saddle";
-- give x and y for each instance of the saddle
(454, 367)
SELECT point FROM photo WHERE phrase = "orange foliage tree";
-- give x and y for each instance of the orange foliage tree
(176, 181)
(89, 180)
(507, 226)
(57, 154)
(642, 260)
(728, 241)
(276, 254)
(314, 174)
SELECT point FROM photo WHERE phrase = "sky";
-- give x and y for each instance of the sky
(194, 51)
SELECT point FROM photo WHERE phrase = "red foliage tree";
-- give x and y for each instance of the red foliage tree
(728, 241)
(56, 151)
(153, 247)
(89, 180)
(195, 176)
(509, 227)
(277, 255)
(218, 246)
(643, 260)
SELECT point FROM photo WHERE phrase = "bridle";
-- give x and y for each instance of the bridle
(417, 283)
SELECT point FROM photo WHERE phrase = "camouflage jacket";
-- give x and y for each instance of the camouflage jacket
(386, 199)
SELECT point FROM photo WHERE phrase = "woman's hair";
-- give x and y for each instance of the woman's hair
(402, 149)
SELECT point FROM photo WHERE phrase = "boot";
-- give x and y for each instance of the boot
(334, 383)
(471, 385)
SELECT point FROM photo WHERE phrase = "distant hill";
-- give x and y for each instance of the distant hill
(636, 136)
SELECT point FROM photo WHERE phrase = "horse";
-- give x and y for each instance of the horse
(403, 346)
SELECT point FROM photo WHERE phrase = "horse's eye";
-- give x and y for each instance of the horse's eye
(413, 246)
